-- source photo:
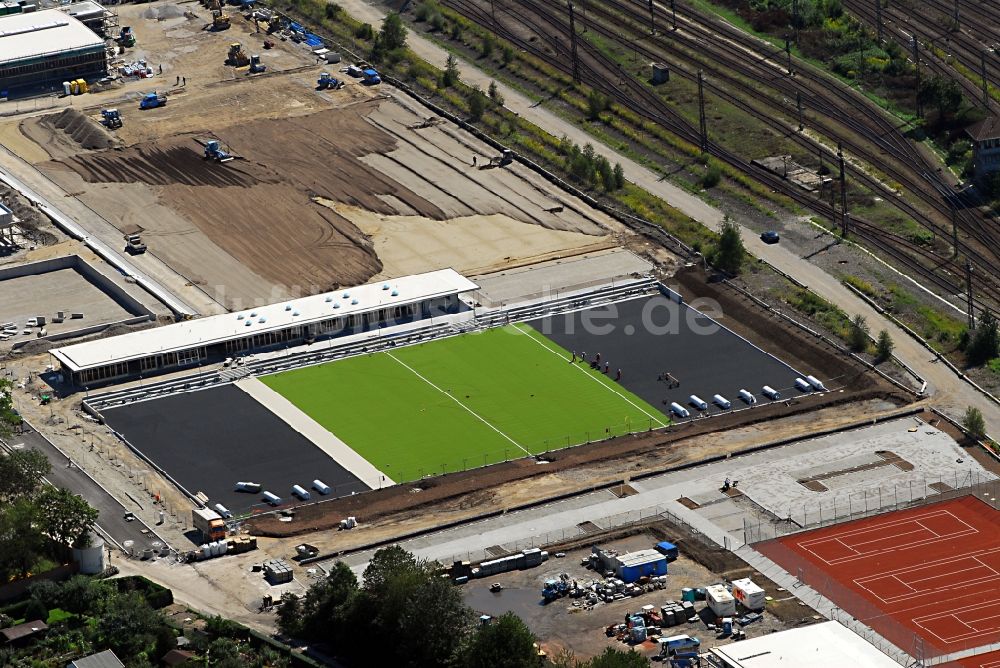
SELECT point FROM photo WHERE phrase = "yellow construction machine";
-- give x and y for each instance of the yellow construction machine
(237, 56)
(220, 21)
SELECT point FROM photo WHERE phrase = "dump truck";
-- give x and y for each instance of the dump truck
(152, 101)
(209, 523)
(111, 118)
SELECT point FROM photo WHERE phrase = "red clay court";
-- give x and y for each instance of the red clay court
(991, 660)
(932, 572)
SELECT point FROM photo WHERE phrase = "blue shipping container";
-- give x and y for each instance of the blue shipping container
(669, 550)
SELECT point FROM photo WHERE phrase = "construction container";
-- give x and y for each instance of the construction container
(223, 511)
(749, 594)
(679, 410)
(771, 393)
(687, 594)
(698, 402)
(273, 499)
(747, 398)
(277, 571)
(300, 492)
(634, 565)
(720, 601)
(252, 487)
(721, 402)
(669, 550)
(816, 383)
(803, 385)
(321, 487)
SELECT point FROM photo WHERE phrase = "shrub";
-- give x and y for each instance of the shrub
(35, 610)
(857, 335)
(712, 176)
(974, 423)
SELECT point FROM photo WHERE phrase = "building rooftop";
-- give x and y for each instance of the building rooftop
(988, 128)
(273, 317)
(825, 645)
(83, 10)
(105, 659)
(640, 557)
(23, 630)
(35, 34)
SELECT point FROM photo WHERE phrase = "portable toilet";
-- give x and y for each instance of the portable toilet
(321, 487)
(727, 626)
(803, 385)
(721, 402)
(747, 398)
(698, 402)
(679, 410)
(771, 393)
(67, 88)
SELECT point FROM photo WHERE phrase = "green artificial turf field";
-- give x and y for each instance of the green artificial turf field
(463, 402)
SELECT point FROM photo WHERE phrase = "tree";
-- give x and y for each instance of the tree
(616, 658)
(619, 176)
(9, 418)
(857, 335)
(326, 607)
(506, 642)
(507, 55)
(20, 542)
(21, 474)
(35, 610)
(450, 75)
(942, 93)
(385, 564)
(81, 594)
(730, 253)
(290, 621)
(477, 104)
(435, 623)
(128, 626)
(596, 103)
(974, 423)
(984, 343)
(883, 347)
(393, 32)
(487, 46)
(495, 94)
(65, 517)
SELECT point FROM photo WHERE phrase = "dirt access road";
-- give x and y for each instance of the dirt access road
(950, 392)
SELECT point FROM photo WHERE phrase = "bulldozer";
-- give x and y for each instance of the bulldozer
(220, 21)
(237, 56)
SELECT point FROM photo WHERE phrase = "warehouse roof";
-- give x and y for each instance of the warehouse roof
(273, 317)
(37, 33)
(826, 645)
(83, 10)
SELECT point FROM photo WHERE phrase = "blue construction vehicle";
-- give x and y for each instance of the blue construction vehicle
(371, 77)
(554, 589)
(126, 37)
(214, 151)
(327, 81)
(152, 101)
(111, 118)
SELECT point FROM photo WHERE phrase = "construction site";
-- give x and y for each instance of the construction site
(281, 310)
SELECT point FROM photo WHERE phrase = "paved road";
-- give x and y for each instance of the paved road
(950, 392)
(110, 523)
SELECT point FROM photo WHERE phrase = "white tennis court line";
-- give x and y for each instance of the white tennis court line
(584, 372)
(990, 664)
(452, 397)
(945, 571)
(954, 614)
(881, 527)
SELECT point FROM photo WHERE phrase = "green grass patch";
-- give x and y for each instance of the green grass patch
(57, 615)
(861, 285)
(464, 402)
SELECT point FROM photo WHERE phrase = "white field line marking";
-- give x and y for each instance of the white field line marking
(452, 397)
(848, 546)
(955, 615)
(891, 523)
(990, 664)
(920, 524)
(607, 387)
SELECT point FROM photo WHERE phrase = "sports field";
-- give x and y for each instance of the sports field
(928, 578)
(463, 402)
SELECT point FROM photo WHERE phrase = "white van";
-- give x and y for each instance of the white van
(675, 644)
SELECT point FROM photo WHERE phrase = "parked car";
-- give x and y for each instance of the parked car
(770, 237)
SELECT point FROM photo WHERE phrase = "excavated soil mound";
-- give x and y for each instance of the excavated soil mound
(84, 131)
(163, 13)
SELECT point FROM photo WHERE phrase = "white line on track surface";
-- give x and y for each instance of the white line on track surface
(584, 372)
(452, 397)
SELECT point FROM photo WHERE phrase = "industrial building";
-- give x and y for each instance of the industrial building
(323, 316)
(629, 567)
(96, 17)
(43, 49)
(825, 645)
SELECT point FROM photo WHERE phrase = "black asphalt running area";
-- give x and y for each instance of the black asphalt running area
(211, 439)
(668, 351)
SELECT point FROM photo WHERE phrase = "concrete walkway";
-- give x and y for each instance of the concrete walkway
(951, 393)
(320, 437)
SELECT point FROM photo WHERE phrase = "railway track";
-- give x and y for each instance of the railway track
(600, 72)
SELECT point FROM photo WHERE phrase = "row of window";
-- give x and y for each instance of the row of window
(84, 61)
(990, 159)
